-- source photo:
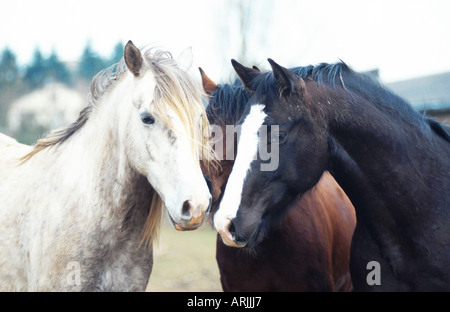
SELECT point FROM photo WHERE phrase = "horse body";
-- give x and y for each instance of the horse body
(72, 210)
(80, 209)
(392, 163)
(309, 251)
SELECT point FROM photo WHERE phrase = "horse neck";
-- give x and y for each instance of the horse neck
(95, 157)
(376, 153)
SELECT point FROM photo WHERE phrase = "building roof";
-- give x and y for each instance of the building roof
(428, 93)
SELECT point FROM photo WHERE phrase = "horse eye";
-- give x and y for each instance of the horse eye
(281, 137)
(147, 118)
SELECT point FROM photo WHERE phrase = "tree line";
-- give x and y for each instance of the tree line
(16, 80)
(42, 70)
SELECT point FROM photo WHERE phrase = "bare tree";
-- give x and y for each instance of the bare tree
(243, 27)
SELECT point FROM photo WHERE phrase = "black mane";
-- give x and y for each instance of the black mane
(227, 103)
(340, 75)
(230, 101)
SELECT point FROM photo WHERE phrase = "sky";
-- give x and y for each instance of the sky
(403, 39)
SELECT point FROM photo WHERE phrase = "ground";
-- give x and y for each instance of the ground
(185, 261)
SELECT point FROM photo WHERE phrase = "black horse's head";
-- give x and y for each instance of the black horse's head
(226, 105)
(282, 152)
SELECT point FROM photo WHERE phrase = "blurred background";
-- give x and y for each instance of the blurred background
(50, 50)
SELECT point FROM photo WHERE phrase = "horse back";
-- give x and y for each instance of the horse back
(11, 149)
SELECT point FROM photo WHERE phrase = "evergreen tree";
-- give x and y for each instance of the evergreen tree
(37, 72)
(57, 70)
(117, 53)
(9, 72)
(11, 86)
(90, 64)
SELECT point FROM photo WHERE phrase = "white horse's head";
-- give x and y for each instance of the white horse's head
(162, 133)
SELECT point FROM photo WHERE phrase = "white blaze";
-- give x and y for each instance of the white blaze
(247, 152)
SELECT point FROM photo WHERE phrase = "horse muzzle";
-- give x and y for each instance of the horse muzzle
(193, 224)
(229, 237)
(191, 218)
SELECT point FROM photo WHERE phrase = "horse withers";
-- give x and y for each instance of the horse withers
(308, 249)
(79, 210)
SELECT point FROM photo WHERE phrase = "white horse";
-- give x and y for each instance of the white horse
(76, 207)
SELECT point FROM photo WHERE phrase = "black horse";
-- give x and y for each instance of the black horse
(393, 163)
(309, 250)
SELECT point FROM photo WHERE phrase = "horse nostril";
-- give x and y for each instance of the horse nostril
(232, 229)
(236, 235)
(227, 231)
(185, 210)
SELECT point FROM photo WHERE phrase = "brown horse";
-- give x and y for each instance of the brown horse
(309, 250)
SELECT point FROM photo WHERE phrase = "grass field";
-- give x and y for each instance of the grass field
(185, 261)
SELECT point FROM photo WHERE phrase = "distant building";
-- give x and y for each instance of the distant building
(428, 94)
(35, 114)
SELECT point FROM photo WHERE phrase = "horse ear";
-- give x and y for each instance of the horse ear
(287, 81)
(246, 74)
(186, 58)
(133, 58)
(208, 85)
